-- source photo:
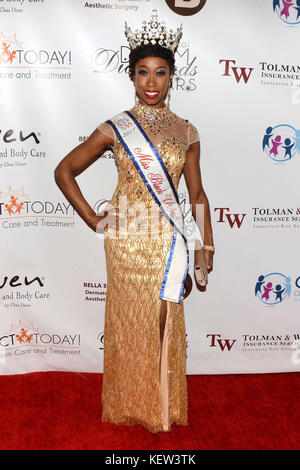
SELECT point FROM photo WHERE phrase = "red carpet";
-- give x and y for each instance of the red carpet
(61, 410)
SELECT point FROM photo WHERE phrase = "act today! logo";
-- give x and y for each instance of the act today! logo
(31, 62)
(25, 339)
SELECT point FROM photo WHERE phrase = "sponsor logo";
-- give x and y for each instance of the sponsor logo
(281, 75)
(17, 151)
(276, 218)
(186, 7)
(225, 217)
(106, 61)
(216, 341)
(100, 205)
(278, 74)
(10, 135)
(267, 342)
(17, 6)
(17, 61)
(22, 290)
(126, 5)
(238, 73)
(19, 210)
(281, 143)
(100, 340)
(263, 217)
(24, 340)
(287, 10)
(95, 291)
(273, 288)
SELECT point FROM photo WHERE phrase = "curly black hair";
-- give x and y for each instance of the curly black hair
(150, 50)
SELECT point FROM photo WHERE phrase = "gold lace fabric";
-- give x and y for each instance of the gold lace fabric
(144, 381)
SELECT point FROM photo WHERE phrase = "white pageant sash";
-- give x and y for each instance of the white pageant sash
(158, 181)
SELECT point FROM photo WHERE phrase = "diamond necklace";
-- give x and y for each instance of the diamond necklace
(154, 119)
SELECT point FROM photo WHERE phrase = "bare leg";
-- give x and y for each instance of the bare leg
(164, 363)
(163, 315)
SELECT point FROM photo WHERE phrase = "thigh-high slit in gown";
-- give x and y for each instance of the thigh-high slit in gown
(144, 367)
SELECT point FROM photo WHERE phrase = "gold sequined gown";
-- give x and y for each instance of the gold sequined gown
(144, 378)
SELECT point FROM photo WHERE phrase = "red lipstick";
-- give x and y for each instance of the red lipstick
(151, 95)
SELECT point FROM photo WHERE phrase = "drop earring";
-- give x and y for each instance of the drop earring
(136, 98)
(169, 96)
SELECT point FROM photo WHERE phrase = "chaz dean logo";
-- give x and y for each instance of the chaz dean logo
(109, 61)
(223, 344)
(15, 281)
(8, 136)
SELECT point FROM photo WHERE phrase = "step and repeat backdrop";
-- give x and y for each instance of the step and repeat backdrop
(63, 71)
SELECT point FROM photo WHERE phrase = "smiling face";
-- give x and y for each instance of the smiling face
(151, 79)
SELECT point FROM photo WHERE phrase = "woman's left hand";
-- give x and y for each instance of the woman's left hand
(203, 264)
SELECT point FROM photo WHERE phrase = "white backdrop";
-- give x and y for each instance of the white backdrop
(62, 73)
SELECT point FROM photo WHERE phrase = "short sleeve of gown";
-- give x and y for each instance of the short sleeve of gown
(193, 135)
(107, 130)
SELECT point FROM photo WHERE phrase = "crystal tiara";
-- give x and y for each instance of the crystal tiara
(153, 32)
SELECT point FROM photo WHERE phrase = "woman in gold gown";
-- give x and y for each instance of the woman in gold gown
(144, 374)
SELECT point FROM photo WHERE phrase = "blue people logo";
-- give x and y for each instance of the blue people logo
(273, 288)
(281, 143)
(287, 10)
